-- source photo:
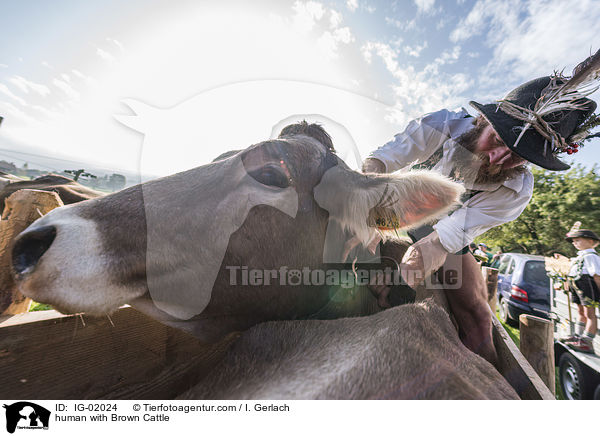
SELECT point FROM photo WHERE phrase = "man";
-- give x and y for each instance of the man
(486, 256)
(488, 154)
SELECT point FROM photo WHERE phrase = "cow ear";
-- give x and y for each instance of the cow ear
(412, 199)
(362, 203)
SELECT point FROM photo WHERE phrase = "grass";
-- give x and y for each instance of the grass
(514, 334)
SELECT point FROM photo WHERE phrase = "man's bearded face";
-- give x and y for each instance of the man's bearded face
(482, 157)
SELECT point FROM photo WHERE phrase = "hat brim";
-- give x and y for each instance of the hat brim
(588, 234)
(530, 146)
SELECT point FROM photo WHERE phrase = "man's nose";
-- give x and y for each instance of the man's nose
(499, 155)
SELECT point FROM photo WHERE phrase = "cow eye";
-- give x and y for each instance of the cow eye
(271, 175)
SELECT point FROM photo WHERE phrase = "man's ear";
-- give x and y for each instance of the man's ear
(402, 201)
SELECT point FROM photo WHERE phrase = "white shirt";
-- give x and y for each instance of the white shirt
(591, 263)
(499, 203)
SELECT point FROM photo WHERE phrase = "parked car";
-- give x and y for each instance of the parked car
(523, 287)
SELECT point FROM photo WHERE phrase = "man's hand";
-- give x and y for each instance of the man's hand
(372, 165)
(422, 258)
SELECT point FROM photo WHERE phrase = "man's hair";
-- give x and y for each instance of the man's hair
(313, 130)
(469, 138)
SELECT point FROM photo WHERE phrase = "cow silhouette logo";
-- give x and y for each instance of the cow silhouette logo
(26, 415)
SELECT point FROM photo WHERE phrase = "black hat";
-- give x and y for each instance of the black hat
(533, 146)
(577, 232)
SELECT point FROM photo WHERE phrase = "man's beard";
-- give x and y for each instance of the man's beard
(475, 167)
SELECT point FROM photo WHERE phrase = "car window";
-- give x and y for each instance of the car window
(511, 267)
(535, 272)
(504, 261)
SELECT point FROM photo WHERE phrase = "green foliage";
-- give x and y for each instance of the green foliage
(559, 199)
(36, 307)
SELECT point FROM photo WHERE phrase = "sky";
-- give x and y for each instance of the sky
(155, 86)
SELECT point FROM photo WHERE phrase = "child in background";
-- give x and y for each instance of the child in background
(584, 284)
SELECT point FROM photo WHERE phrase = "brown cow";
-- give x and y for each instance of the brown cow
(68, 190)
(407, 352)
(207, 250)
(181, 242)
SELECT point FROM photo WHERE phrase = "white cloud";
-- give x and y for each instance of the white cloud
(416, 50)
(384, 51)
(329, 42)
(352, 5)
(27, 85)
(8, 109)
(117, 43)
(311, 16)
(529, 39)
(105, 55)
(6, 91)
(424, 6)
(307, 14)
(89, 80)
(402, 25)
(442, 22)
(335, 18)
(3, 66)
(67, 89)
(419, 92)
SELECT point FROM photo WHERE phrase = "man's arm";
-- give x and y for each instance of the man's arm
(421, 138)
(478, 214)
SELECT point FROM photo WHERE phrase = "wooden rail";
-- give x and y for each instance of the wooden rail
(515, 368)
(46, 355)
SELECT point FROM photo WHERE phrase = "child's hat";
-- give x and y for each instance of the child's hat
(577, 232)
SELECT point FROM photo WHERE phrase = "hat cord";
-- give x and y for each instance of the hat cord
(535, 120)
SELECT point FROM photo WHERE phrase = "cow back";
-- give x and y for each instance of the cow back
(407, 352)
(68, 190)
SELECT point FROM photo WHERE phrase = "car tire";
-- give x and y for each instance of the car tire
(503, 312)
(597, 393)
(573, 378)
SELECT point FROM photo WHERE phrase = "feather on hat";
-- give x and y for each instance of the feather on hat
(549, 115)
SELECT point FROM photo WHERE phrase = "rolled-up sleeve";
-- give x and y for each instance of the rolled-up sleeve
(482, 212)
(421, 138)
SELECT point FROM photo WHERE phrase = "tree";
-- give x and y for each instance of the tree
(559, 199)
(80, 173)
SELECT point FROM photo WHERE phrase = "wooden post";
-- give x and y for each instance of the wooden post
(537, 345)
(22, 208)
(490, 276)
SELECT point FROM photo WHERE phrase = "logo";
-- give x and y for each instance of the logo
(26, 415)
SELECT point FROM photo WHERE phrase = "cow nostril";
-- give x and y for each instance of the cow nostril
(30, 247)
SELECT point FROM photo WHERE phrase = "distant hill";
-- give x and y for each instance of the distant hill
(18, 158)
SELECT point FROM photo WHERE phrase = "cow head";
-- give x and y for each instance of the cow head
(178, 247)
